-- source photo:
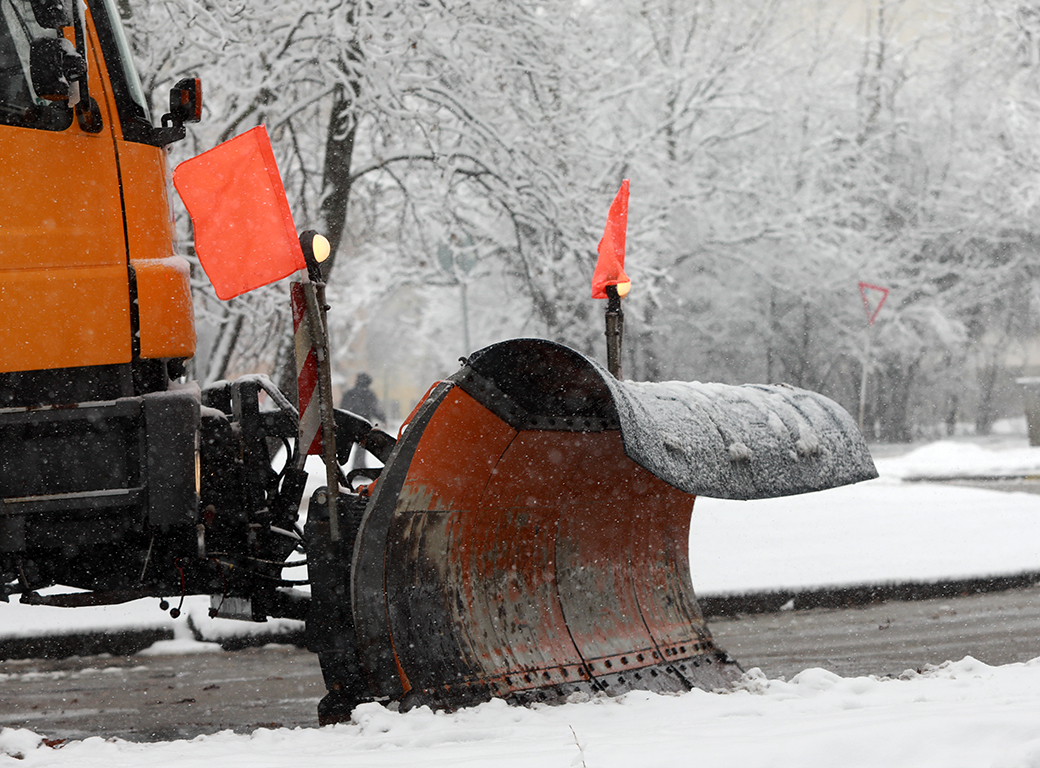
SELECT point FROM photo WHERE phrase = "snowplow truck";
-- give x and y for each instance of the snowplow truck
(526, 538)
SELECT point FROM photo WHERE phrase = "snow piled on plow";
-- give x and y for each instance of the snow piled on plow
(740, 442)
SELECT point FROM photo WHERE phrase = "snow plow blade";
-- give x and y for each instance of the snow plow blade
(528, 538)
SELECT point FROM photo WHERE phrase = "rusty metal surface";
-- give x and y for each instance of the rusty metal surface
(528, 536)
(368, 564)
(526, 564)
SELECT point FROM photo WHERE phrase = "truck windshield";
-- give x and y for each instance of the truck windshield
(19, 105)
(126, 87)
(126, 62)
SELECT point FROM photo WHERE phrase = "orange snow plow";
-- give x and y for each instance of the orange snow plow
(528, 538)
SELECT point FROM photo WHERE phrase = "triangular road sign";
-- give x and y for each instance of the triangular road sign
(873, 297)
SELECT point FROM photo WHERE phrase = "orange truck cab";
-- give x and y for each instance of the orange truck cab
(99, 443)
(119, 478)
(93, 299)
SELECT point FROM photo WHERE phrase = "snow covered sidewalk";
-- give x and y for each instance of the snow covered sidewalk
(879, 532)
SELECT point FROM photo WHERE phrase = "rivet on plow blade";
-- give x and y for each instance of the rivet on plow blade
(513, 549)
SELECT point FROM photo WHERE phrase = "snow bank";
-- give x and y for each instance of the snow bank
(877, 532)
(952, 459)
(959, 714)
(17, 620)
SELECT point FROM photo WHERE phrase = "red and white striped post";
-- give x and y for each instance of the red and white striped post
(306, 375)
(314, 371)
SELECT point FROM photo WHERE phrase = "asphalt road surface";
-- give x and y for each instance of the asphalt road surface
(152, 698)
(888, 638)
(160, 698)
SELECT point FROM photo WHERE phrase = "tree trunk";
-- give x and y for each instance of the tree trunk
(336, 181)
(985, 413)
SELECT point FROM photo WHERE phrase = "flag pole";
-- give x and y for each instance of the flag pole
(615, 330)
(866, 290)
(315, 251)
(863, 380)
(609, 280)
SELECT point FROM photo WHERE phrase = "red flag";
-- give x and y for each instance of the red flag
(244, 231)
(610, 266)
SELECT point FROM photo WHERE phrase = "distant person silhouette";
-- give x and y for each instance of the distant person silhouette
(361, 400)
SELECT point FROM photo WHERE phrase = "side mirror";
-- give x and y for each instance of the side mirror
(53, 14)
(53, 64)
(186, 101)
(185, 107)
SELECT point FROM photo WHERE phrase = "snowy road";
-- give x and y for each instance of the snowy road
(883, 532)
(888, 638)
(162, 697)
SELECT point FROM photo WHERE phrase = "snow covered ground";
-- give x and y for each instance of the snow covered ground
(885, 530)
(963, 713)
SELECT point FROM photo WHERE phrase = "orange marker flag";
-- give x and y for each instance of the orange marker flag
(244, 231)
(610, 267)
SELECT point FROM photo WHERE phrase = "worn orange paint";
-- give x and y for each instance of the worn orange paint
(457, 453)
(538, 560)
